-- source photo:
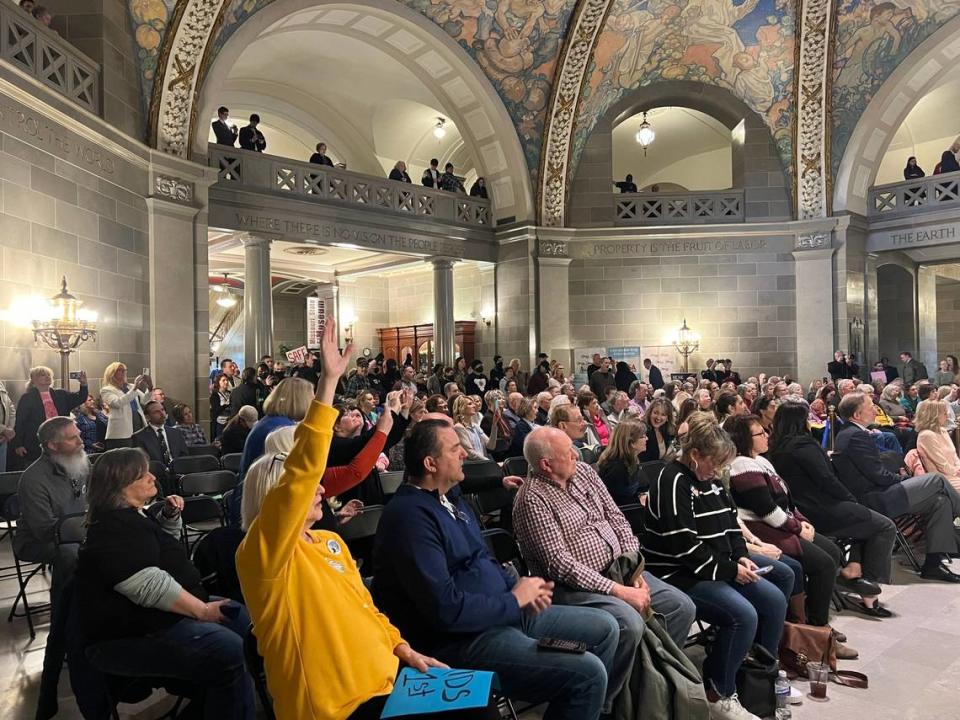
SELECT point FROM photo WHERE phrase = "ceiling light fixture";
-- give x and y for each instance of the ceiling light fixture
(439, 130)
(645, 134)
(227, 300)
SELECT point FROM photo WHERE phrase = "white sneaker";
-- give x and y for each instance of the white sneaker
(796, 697)
(729, 708)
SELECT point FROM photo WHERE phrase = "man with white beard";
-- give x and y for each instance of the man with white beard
(54, 486)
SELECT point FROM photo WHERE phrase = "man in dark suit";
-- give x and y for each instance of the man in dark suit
(226, 132)
(710, 373)
(655, 377)
(431, 176)
(251, 138)
(893, 494)
(161, 443)
(320, 157)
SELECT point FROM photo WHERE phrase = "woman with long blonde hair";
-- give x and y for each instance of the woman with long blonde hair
(126, 404)
(934, 445)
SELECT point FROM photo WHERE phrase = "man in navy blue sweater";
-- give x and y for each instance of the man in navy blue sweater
(437, 582)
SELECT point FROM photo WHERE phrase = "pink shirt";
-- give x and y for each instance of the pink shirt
(603, 432)
(49, 408)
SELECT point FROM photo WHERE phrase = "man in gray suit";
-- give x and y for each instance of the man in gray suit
(911, 370)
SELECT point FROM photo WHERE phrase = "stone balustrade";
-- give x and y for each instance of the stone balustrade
(44, 55)
(679, 208)
(247, 170)
(910, 197)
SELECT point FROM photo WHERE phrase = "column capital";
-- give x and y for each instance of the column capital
(822, 254)
(248, 239)
(443, 263)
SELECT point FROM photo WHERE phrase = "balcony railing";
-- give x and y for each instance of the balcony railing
(684, 208)
(937, 192)
(43, 54)
(249, 170)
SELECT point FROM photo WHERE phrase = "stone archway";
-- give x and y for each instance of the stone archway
(471, 100)
(877, 126)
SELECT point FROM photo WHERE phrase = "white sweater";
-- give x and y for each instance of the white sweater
(120, 419)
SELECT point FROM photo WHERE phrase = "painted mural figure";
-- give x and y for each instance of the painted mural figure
(878, 37)
(711, 22)
(645, 29)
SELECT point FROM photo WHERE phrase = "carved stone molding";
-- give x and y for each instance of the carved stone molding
(813, 108)
(172, 188)
(176, 86)
(813, 241)
(552, 249)
(574, 60)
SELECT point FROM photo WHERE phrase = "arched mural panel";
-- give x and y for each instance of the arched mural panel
(746, 47)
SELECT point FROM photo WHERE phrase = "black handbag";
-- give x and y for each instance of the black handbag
(756, 682)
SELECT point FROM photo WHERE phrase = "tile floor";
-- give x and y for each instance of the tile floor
(913, 660)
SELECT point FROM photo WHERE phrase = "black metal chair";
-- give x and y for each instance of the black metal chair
(258, 671)
(200, 515)
(214, 482)
(651, 470)
(494, 507)
(590, 454)
(72, 529)
(504, 548)
(231, 461)
(633, 512)
(516, 466)
(390, 482)
(23, 571)
(359, 534)
(9, 482)
(186, 464)
(480, 475)
(203, 450)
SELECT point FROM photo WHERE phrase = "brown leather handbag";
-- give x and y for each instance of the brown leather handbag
(801, 644)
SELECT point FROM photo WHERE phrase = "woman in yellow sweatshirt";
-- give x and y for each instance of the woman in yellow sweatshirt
(326, 647)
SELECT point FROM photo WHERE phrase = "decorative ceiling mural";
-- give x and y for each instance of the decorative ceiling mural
(745, 46)
(516, 42)
(872, 38)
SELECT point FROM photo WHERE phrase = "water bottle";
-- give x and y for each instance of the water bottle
(783, 696)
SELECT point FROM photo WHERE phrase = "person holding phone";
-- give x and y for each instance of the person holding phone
(693, 542)
(39, 403)
(126, 404)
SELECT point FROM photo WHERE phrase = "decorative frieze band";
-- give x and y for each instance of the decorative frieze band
(173, 189)
(584, 30)
(552, 249)
(813, 90)
(813, 241)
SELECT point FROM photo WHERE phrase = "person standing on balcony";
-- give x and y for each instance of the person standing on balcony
(948, 161)
(399, 172)
(627, 185)
(320, 157)
(251, 138)
(479, 188)
(912, 170)
(226, 132)
(431, 176)
(450, 182)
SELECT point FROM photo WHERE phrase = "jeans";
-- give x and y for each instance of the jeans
(677, 609)
(573, 684)
(205, 654)
(741, 613)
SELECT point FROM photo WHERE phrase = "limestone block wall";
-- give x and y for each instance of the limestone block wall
(101, 29)
(364, 298)
(743, 306)
(948, 317)
(895, 311)
(62, 215)
(410, 299)
(516, 303)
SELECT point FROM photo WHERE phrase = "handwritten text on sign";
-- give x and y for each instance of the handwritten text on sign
(438, 690)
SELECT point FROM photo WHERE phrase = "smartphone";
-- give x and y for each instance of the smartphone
(763, 570)
(230, 610)
(567, 646)
(75, 375)
(496, 404)
(145, 371)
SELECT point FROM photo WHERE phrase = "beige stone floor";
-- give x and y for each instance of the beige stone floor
(913, 660)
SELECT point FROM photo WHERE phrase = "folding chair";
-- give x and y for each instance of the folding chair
(214, 482)
(72, 529)
(651, 470)
(201, 514)
(494, 507)
(516, 466)
(187, 464)
(203, 450)
(504, 548)
(633, 512)
(359, 535)
(258, 671)
(480, 475)
(390, 482)
(24, 571)
(231, 461)
(9, 482)
(902, 545)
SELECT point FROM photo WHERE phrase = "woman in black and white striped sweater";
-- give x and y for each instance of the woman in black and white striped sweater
(693, 542)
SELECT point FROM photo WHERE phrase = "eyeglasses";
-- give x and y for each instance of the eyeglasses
(758, 434)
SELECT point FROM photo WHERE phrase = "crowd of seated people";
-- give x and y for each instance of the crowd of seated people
(754, 511)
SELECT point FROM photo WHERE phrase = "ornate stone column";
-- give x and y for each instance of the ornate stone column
(257, 299)
(815, 308)
(443, 323)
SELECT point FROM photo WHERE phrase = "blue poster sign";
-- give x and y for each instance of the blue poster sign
(438, 690)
